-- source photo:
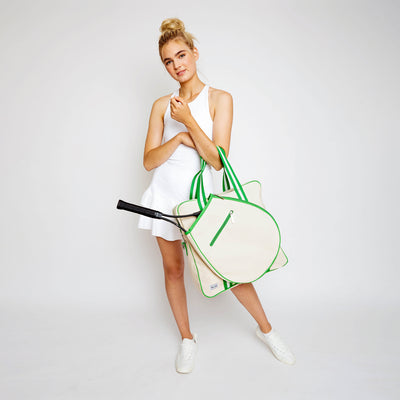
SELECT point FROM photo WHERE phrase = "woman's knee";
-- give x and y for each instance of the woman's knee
(173, 269)
(173, 260)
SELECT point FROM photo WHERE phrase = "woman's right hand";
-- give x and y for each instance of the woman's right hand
(186, 139)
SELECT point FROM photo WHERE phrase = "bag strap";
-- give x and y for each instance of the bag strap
(232, 178)
(197, 187)
(225, 182)
(229, 180)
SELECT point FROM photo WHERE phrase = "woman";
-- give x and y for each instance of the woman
(183, 126)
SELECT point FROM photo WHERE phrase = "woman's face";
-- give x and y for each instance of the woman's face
(179, 60)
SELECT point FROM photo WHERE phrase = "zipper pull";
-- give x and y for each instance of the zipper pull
(185, 247)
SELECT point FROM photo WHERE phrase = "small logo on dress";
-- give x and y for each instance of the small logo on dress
(214, 286)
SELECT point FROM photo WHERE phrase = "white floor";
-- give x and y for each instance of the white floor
(342, 353)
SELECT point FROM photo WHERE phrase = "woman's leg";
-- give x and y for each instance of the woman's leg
(247, 295)
(173, 263)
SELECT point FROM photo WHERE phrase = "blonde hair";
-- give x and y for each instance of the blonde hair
(174, 28)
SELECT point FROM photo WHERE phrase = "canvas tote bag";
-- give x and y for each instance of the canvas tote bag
(231, 239)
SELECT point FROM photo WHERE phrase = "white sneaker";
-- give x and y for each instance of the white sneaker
(184, 362)
(276, 345)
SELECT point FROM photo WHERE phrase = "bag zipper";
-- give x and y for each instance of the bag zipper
(228, 217)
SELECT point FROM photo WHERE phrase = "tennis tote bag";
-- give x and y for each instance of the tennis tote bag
(230, 237)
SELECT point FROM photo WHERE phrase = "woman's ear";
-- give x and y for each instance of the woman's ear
(196, 53)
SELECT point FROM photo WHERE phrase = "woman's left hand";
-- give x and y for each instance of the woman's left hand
(180, 110)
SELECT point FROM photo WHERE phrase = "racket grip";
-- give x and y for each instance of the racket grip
(148, 212)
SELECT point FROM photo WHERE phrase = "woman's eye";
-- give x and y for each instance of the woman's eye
(182, 55)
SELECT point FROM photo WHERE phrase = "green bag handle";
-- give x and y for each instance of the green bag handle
(229, 180)
(225, 182)
(197, 187)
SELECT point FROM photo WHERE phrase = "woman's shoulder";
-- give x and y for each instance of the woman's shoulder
(219, 98)
(163, 100)
(161, 103)
(219, 93)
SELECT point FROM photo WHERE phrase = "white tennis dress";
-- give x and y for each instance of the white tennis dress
(170, 184)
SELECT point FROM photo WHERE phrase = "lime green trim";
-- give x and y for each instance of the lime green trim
(227, 169)
(229, 284)
(287, 260)
(200, 193)
(254, 180)
(185, 247)
(244, 184)
(218, 196)
(212, 195)
(231, 174)
(226, 284)
(228, 217)
(203, 193)
(229, 179)
(241, 201)
(191, 251)
(225, 182)
(200, 215)
(197, 271)
(193, 185)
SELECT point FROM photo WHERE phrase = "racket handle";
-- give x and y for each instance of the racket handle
(148, 212)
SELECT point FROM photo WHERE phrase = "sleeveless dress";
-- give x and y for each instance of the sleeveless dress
(170, 184)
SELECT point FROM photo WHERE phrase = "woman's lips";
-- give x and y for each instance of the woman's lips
(181, 72)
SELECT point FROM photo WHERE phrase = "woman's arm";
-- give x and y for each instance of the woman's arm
(156, 153)
(222, 126)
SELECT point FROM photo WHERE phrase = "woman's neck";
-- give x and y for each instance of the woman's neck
(191, 88)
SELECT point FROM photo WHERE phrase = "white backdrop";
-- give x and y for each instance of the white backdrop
(316, 99)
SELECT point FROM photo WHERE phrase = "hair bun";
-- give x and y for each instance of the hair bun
(172, 24)
(171, 29)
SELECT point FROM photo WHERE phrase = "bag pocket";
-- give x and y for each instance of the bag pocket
(221, 228)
